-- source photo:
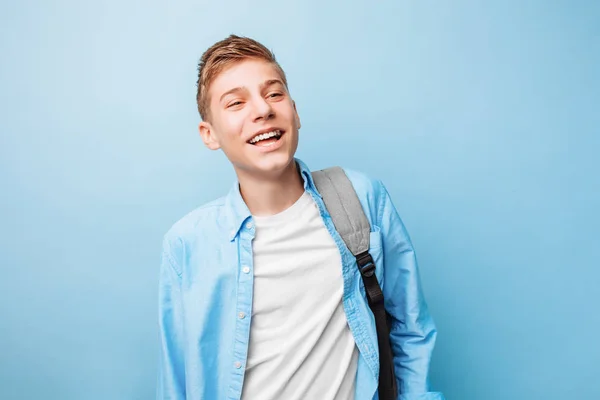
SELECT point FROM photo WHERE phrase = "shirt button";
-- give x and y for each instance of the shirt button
(249, 225)
(246, 270)
(238, 364)
(241, 315)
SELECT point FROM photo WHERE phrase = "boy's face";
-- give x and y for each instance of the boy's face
(247, 99)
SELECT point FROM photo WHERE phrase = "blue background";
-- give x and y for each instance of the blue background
(482, 119)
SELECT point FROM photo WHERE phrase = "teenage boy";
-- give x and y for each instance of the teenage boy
(259, 297)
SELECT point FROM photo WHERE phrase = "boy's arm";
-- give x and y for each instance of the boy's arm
(413, 331)
(171, 368)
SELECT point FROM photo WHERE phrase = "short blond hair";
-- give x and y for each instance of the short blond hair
(223, 54)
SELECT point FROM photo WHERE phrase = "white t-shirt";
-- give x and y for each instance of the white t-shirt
(301, 347)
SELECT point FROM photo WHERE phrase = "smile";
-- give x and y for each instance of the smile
(275, 134)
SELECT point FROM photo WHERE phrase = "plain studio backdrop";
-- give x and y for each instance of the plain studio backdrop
(482, 118)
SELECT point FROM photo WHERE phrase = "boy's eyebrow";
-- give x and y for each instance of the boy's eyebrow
(270, 82)
(263, 86)
(230, 91)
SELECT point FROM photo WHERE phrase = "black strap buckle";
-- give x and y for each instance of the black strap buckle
(366, 265)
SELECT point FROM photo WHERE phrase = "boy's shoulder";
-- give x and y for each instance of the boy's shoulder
(362, 182)
(370, 191)
(204, 218)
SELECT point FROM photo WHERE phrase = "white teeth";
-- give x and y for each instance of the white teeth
(264, 136)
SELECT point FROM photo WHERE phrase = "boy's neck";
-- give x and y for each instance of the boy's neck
(270, 196)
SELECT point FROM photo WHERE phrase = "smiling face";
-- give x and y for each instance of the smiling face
(252, 118)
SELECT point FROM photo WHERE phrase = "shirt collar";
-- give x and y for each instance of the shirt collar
(237, 210)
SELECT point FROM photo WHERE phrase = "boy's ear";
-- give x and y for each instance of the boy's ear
(208, 136)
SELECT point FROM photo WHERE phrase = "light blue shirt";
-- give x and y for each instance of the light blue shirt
(205, 299)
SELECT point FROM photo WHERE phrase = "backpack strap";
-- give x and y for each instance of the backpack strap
(351, 223)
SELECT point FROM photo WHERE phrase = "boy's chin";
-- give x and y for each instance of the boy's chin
(274, 163)
(268, 165)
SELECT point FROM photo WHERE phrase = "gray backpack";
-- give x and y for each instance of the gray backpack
(351, 223)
